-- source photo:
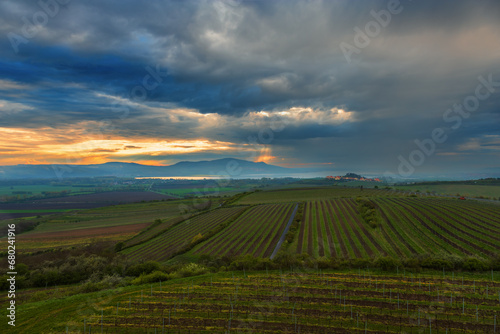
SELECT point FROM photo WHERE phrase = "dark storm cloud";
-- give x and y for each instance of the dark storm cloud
(233, 57)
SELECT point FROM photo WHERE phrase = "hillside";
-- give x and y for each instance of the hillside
(226, 167)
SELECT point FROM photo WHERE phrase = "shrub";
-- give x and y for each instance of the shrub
(192, 269)
(154, 277)
(474, 264)
(142, 268)
(119, 246)
(197, 238)
(387, 263)
(368, 212)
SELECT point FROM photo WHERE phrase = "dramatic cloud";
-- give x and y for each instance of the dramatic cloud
(347, 85)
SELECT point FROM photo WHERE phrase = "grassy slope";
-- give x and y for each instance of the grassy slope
(446, 230)
(453, 189)
(207, 297)
(318, 193)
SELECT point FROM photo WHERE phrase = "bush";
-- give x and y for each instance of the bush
(474, 264)
(107, 282)
(436, 263)
(142, 268)
(153, 277)
(368, 212)
(192, 269)
(119, 246)
(387, 263)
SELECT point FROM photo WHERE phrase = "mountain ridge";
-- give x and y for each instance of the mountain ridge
(230, 167)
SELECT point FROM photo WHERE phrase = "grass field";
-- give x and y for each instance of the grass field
(162, 247)
(117, 223)
(256, 232)
(35, 211)
(348, 301)
(338, 227)
(456, 189)
(310, 194)
(35, 189)
(194, 191)
(408, 227)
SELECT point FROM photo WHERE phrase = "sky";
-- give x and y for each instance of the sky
(399, 88)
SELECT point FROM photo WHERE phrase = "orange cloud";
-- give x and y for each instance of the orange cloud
(76, 146)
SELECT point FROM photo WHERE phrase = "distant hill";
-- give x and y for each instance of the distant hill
(232, 167)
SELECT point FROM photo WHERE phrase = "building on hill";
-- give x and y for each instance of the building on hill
(352, 177)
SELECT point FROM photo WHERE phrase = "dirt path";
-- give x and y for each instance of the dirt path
(278, 245)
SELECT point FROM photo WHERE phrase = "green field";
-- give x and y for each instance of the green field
(194, 191)
(34, 211)
(308, 194)
(318, 301)
(455, 189)
(256, 232)
(182, 235)
(34, 189)
(407, 227)
(330, 277)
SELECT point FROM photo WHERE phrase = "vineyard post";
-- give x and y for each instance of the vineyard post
(101, 319)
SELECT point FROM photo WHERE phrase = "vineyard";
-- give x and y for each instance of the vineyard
(356, 301)
(407, 227)
(256, 232)
(314, 194)
(182, 235)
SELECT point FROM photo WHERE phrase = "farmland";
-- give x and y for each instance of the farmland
(468, 190)
(76, 202)
(408, 227)
(296, 301)
(85, 226)
(351, 234)
(256, 232)
(182, 235)
(311, 194)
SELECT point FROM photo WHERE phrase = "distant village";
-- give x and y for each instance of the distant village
(351, 177)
